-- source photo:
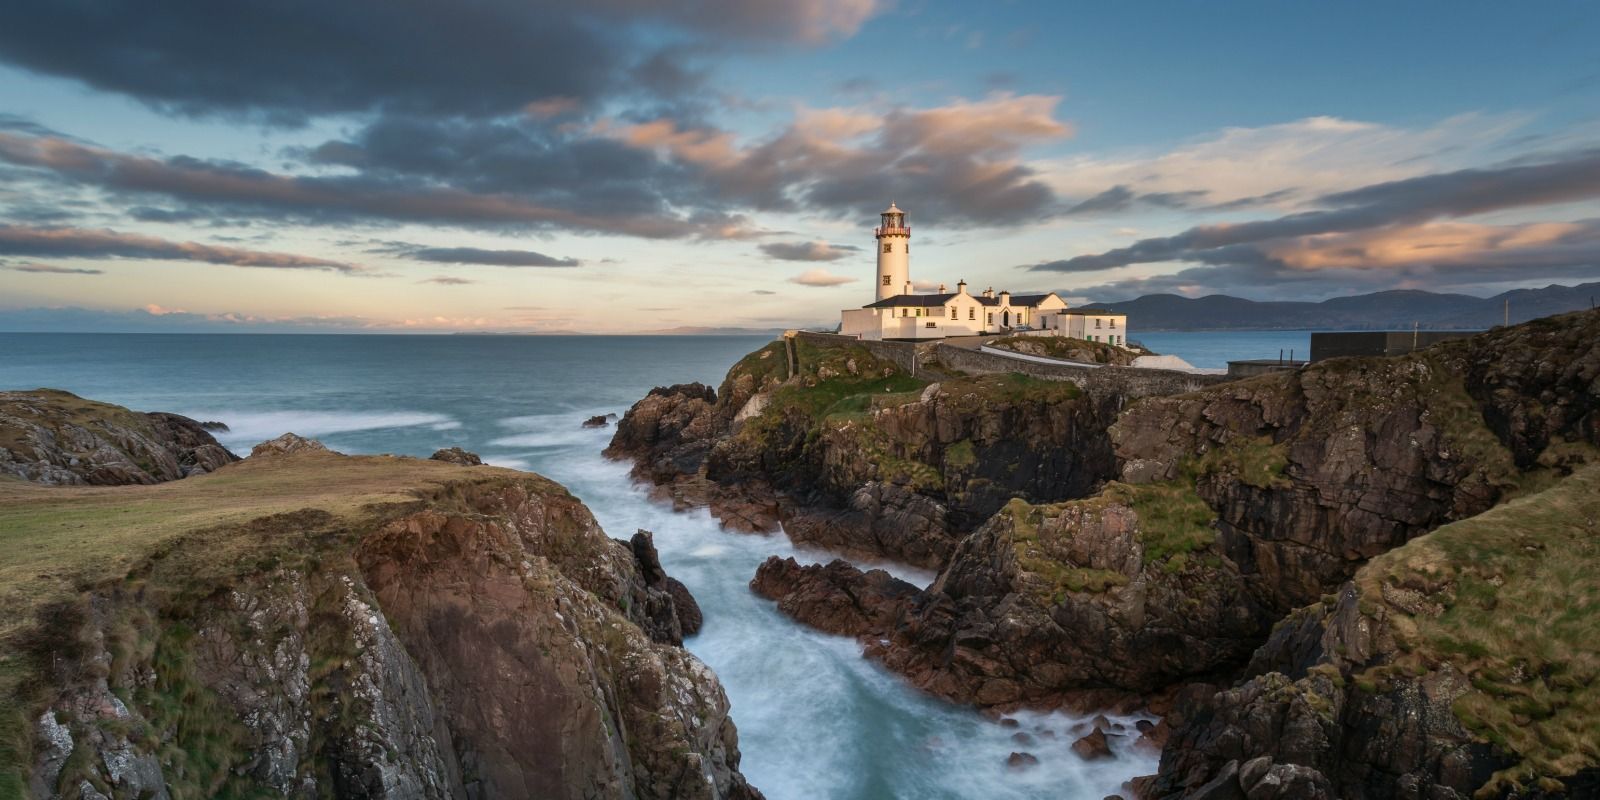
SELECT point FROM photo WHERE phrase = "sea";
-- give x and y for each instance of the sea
(815, 718)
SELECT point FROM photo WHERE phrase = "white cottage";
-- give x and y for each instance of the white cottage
(898, 313)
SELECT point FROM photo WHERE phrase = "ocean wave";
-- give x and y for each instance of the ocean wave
(250, 427)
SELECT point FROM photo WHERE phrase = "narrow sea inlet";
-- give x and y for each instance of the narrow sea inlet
(815, 718)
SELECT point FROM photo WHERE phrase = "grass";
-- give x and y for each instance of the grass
(1173, 521)
(1513, 600)
(249, 516)
(1254, 460)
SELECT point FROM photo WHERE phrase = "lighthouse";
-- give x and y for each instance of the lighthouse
(894, 254)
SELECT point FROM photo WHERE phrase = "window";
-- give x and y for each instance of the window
(1097, 324)
(931, 325)
(919, 312)
(1113, 324)
(952, 312)
(888, 248)
(991, 317)
(886, 280)
(972, 313)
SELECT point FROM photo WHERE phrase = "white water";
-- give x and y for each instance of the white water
(815, 718)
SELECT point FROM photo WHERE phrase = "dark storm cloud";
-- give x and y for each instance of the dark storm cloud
(808, 251)
(1405, 202)
(287, 60)
(479, 256)
(379, 195)
(100, 243)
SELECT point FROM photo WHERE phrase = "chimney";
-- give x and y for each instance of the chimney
(1006, 296)
(941, 289)
(989, 292)
(908, 288)
(961, 288)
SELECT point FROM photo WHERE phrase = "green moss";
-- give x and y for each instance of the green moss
(1173, 520)
(1053, 576)
(960, 455)
(1253, 460)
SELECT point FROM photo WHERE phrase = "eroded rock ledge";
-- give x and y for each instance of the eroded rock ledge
(55, 437)
(368, 627)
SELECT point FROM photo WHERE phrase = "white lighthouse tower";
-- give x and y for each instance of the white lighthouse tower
(894, 254)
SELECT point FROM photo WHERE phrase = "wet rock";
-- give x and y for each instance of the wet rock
(1021, 761)
(288, 444)
(598, 421)
(836, 597)
(1093, 747)
(213, 425)
(456, 455)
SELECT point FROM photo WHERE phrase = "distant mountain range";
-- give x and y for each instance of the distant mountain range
(1396, 310)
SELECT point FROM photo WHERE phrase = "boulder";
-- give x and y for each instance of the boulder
(1093, 747)
(598, 421)
(288, 444)
(456, 455)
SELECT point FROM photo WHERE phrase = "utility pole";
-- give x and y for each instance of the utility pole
(1414, 326)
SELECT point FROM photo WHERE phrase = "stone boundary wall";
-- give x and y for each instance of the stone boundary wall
(1131, 382)
(1128, 381)
(907, 355)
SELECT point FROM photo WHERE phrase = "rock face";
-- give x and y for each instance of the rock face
(1444, 669)
(485, 640)
(55, 437)
(853, 454)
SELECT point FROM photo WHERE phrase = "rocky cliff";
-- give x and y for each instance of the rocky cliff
(1234, 507)
(55, 437)
(854, 454)
(310, 624)
(1463, 664)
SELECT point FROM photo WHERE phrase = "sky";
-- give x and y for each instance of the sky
(631, 165)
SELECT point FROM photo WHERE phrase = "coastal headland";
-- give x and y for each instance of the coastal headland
(1330, 580)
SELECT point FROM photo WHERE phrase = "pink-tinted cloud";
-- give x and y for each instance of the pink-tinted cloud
(820, 278)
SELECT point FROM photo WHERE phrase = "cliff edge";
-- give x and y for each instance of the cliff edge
(310, 624)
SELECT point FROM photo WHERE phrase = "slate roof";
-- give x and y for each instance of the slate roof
(911, 300)
(928, 300)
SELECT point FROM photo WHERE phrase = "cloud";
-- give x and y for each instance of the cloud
(284, 62)
(762, 291)
(52, 270)
(820, 277)
(103, 243)
(1405, 202)
(1282, 165)
(961, 160)
(445, 280)
(327, 200)
(809, 251)
(477, 256)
